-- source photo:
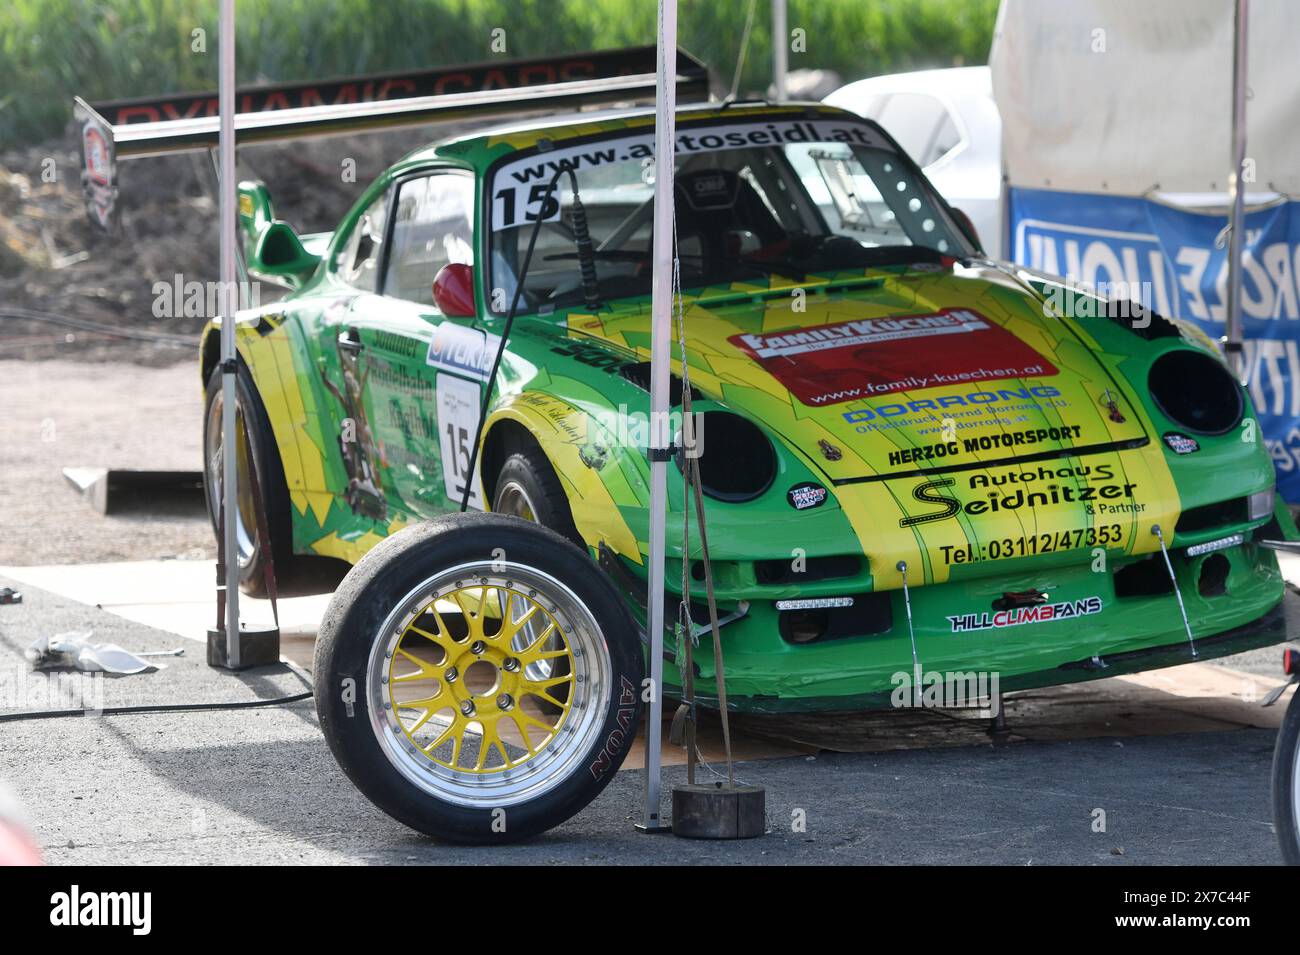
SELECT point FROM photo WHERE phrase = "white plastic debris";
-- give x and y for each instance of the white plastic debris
(73, 650)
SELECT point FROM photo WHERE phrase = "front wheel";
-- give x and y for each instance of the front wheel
(527, 487)
(1286, 783)
(478, 678)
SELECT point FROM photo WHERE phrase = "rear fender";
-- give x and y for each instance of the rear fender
(305, 426)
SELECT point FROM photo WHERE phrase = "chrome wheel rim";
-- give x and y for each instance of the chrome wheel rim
(488, 684)
(512, 498)
(245, 518)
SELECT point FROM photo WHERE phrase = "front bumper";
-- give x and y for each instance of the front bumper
(1233, 604)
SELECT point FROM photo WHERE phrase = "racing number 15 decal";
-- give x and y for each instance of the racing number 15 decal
(458, 411)
(535, 204)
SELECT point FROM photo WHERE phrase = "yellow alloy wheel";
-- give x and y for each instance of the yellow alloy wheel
(474, 672)
(490, 683)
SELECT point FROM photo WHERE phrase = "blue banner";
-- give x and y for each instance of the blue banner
(1175, 261)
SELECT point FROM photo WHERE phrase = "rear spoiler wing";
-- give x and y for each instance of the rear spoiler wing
(124, 129)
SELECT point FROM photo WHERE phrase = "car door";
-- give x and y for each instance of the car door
(418, 369)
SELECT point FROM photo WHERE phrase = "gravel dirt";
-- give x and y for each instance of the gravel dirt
(53, 260)
(63, 413)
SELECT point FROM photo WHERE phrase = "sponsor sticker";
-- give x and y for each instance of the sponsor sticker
(97, 174)
(458, 412)
(520, 192)
(1020, 616)
(1180, 443)
(807, 495)
(463, 351)
(863, 358)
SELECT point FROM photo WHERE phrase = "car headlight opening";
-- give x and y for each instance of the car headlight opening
(1196, 392)
(737, 460)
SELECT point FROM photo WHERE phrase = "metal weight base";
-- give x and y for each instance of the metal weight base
(715, 811)
(258, 646)
(654, 829)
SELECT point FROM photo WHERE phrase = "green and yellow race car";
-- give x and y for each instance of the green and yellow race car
(913, 457)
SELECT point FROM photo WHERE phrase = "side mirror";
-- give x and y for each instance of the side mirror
(968, 227)
(279, 251)
(271, 247)
(453, 290)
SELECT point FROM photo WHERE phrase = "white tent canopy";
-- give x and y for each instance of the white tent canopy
(1117, 96)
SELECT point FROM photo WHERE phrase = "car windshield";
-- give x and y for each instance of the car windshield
(752, 198)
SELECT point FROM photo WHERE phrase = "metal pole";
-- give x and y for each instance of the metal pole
(660, 339)
(229, 300)
(780, 48)
(1236, 190)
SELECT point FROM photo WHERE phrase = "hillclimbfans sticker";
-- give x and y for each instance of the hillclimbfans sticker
(1180, 443)
(806, 495)
(863, 358)
(1019, 616)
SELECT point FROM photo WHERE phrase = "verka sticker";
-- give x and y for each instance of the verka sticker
(807, 495)
(462, 351)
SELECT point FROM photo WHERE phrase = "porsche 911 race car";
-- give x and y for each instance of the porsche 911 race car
(910, 453)
(923, 470)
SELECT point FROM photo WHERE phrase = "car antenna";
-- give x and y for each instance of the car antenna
(505, 330)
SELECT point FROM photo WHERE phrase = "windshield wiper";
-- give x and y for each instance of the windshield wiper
(758, 265)
(628, 255)
(618, 255)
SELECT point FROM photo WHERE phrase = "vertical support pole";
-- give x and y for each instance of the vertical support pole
(780, 48)
(229, 301)
(1004, 231)
(660, 340)
(1237, 191)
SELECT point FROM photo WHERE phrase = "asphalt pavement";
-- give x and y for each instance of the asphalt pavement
(260, 786)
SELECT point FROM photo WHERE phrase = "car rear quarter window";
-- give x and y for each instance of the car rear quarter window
(358, 260)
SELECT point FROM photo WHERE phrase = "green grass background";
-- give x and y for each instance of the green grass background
(103, 49)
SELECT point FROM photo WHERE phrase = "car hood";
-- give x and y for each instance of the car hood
(900, 372)
(927, 396)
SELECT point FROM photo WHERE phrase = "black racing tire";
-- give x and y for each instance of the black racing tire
(1286, 783)
(528, 469)
(270, 471)
(372, 615)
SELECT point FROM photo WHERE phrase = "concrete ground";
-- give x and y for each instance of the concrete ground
(260, 786)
